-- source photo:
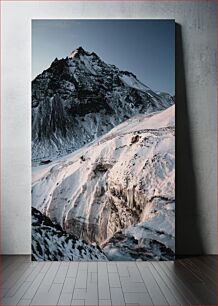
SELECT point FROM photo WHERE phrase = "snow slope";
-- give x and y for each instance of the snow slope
(152, 239)
(79, 98)
(50, 242)
(118, 191)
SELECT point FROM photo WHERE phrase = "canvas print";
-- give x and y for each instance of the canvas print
(103, 140)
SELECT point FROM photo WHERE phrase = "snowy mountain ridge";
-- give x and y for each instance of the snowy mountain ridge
(79, 98)
(118, 191)
(50, 242)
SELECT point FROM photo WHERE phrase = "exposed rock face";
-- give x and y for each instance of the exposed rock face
(80, 98)
(50, 242)
(120, 187)
(151, 239)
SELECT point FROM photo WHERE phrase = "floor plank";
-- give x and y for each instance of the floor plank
(65, 299)
(197, 286)
(169, 268)
(29, 275)
(167, 291)
(49, 277)
(17, 297)
(69, 284)
(117, 297)
(187, 281)
(155, 292)
(203, 271)
(31, 291)
(48, 298)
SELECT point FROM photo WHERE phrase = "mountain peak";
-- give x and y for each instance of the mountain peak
(80, 50)
(82, 84)
(77, 51)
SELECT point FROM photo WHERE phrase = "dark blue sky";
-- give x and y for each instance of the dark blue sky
(144, 47)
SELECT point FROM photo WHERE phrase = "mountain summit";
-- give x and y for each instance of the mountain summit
(78, 51)
(80, 98)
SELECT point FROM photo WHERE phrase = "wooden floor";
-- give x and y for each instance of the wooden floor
(188, 281)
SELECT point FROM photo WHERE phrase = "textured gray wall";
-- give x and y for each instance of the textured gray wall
(196, 113)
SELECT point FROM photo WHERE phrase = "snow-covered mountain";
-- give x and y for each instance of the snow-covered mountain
(50, 242)
(119, 190)
(79, 98)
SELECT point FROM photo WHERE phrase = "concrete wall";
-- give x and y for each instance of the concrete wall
(196, 112)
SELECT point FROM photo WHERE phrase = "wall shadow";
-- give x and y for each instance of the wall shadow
(188, 227)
